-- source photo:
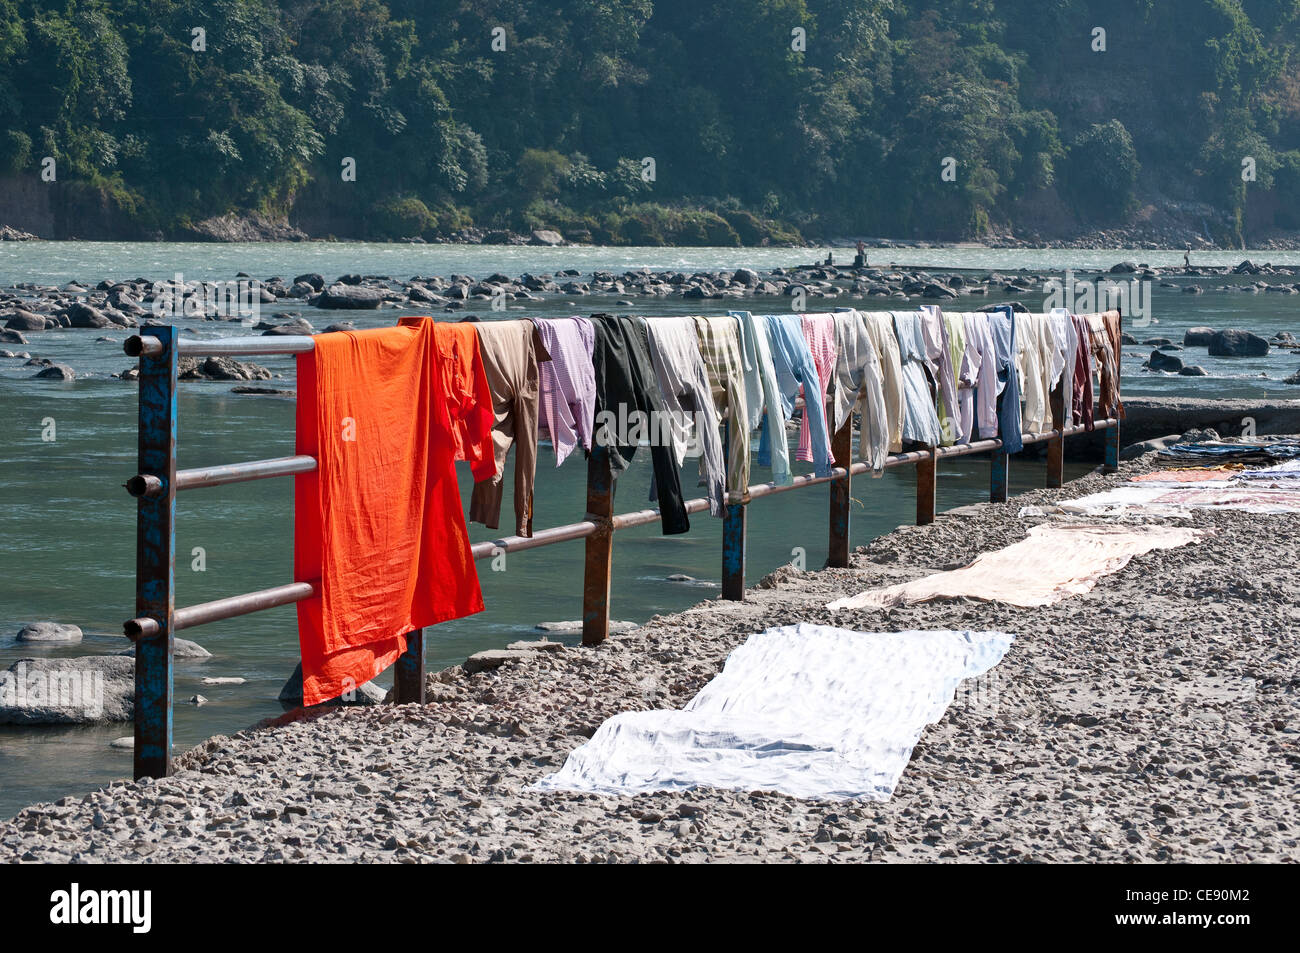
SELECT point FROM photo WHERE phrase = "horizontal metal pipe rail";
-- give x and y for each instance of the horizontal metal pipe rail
(157, 481)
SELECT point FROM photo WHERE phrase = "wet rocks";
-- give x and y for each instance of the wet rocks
(49, 633)
(1198, 337)
(22, 320)
(350, 298)
(55, 372)
(1162, 361)
(1234, 342)
(87, 690)
(220, 369)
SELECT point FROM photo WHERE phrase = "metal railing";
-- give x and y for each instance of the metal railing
(158, 480)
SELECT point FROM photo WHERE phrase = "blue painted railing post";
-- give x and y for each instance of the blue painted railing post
(408, 680)
(155, 559)
(600, 548)
(999, 473)
(733, 536)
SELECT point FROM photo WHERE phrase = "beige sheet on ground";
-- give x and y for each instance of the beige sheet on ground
(1055, 561)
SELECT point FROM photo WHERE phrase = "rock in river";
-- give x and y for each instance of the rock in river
(1235, 342)
(89, 690)
(49, 632)
(350, 298)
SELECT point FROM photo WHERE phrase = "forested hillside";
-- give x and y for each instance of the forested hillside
(651, 121)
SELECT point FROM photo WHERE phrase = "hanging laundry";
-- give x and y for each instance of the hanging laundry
(858, 388)
(1104, 333)
(880, 328)
(626, 385)
(720, 347)
(568, 384)
(819, 332)
(1003, 325)
(511, 351)
(1031, 351)
(1115, 332)
(920, 419)
(938, 356)
(982, 403)
(1062, 329)
(795, 368)
(960, 356)
(378, 526)
(774, 450)
(684, 384)
(1081, 399)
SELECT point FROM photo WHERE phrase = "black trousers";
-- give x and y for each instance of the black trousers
(626, 382)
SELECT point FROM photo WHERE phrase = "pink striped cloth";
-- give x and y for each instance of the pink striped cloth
(819, 332)
(567, 398)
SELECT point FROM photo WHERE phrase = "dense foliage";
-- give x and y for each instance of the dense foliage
(749, 134)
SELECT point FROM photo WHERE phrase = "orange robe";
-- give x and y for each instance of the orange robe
(378, 527)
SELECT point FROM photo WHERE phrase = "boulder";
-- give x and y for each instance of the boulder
(181, 648)
(1160, 361)
(1247, 267)
(88, 690)
(49, 632)
(56, 372)
(1235, 342)
(25, 321)
(220, 369)
(82, 315)
(1193, 370)
(341, 297)
(545, 236)
(312, 279)
(1124, 268)
(1198, 337)
(12, 337)
(367, 694)
(746, 276)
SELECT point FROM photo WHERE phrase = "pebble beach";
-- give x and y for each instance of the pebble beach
(1152, 719)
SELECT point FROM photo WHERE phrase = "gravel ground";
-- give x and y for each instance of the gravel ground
(1153, 719)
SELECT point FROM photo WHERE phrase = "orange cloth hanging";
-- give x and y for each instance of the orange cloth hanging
(379, 527)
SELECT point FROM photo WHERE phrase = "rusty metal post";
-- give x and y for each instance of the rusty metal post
(155, 559)
(927, 472)
(1056, 446)
(600, 548)
(408, 679)
(1113, 435)
(841, 494)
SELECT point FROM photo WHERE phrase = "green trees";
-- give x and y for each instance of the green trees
(1101, 170)
(658, 120)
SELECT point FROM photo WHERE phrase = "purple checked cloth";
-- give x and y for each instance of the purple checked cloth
(568, 384)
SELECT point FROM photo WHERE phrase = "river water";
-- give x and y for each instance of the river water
(67, 540)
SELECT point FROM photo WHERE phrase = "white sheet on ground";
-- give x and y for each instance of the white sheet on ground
(807, 710)
(1289, 470)
(1147, 500)
(1055, 561)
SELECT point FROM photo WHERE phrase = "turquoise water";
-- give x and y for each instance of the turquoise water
(67, 528)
